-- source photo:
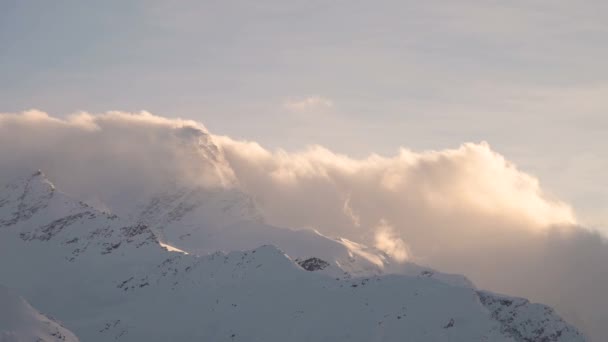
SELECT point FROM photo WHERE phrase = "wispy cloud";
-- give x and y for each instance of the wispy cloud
(308, 104)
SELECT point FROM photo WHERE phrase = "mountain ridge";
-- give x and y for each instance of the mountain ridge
(109, 278)
(20, 322)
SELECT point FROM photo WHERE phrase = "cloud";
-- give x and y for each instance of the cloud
(464, 210)
(387, 240)
(348, 211)
(308, 104)
(111, 155)
(471, 181)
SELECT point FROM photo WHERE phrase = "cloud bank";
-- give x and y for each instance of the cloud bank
(110, 158)
(466, 210)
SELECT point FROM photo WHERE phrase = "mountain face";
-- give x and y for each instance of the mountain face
(238, 279)
(201, 221)
(19, 322)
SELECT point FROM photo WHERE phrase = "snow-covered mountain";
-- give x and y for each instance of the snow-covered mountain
(19, 322)
(109, 278)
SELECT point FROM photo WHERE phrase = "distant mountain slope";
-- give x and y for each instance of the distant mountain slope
(19, 322)
(110, 279)
(201, 221)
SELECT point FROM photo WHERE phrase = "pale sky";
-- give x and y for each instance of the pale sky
(358, 77)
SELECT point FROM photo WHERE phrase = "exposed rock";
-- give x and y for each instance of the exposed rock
(528, 322)
(313, 264)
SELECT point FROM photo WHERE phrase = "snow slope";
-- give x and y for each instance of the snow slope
(110, 279)
(19, 322)
(201, 221)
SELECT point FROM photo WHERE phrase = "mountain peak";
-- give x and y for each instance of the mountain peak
(39, 177)
(34, 186)
(24, 197)
(36, 181)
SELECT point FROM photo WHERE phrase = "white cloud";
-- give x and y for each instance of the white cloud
(110, 155)
(349, 212)
(464, 210)
(308, 104)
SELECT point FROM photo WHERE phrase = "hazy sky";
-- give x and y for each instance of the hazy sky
(528, 77)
